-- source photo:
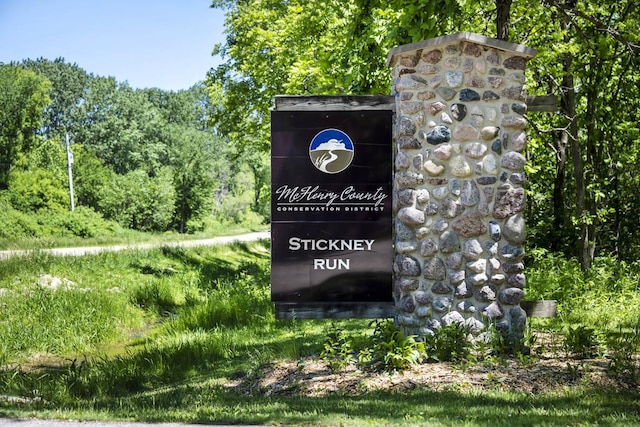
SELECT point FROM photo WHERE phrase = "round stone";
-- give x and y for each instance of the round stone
(475, 150)
(478, 266)
(512, 253)
(472, 249)
(467, 95)
(436, 107)
(460, 167)
(515, 63)
(428, 248)
(513, 92)
(513, 267)
(510, 296)
(478, 279)
(440, 225)
(449, 242)
(408, 143)
(422, 311)
(470, 225)
(475, 326)
(517, 280)
(466, 307)
(438, 135)
(432, 56)
(422, 297)
(453, 317)
(454, 78)
(509, 203)
(459, 111)
(457, 276)
(409, 179)
(454, 261)
(407, 304)
(434, 269)
(443, 152)
(407, 265)
(465, 132)
(402, 161)
(450, 208)
(463, 290)
(441, 304)
(470, 193)
(494, 230)
(406, 247)
(514, 229)
(441, 288)
(514, 122)
(411, 216)
(405, 284)
(447, 93)
(513, 161)
(403, 232)
(493, 311)
(433, 168)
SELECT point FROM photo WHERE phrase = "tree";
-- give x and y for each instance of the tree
(23, 97)
(121, 126)
(68, 84)
(590, 68)
(287, 47)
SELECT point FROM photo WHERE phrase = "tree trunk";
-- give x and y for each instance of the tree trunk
(568, 106)
(559, 181)
(503, 8)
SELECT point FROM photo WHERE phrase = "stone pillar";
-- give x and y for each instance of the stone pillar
(458, 185)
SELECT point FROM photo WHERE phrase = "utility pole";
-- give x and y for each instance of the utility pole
(69, 163)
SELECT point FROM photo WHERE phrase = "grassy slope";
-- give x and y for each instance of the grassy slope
(157, 335)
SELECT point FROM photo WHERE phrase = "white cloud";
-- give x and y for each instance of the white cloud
(332, 144)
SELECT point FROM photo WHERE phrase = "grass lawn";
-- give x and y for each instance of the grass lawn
(188, 335)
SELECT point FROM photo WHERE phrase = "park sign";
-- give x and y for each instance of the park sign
(331, 207)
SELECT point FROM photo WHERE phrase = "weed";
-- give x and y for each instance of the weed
(391, 349)
(580, 341)
(336, 350)
(622, 349)
(448, 343)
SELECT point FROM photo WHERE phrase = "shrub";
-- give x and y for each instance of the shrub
(448, 343)
(139, 201)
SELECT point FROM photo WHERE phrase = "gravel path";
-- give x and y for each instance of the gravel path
(87, 250)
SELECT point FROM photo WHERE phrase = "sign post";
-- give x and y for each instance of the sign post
(331, 211)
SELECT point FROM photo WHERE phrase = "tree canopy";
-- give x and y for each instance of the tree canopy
(581, 168)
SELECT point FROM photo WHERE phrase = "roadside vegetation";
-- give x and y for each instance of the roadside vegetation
(188, 335)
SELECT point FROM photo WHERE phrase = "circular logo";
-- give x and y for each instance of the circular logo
(331, 151)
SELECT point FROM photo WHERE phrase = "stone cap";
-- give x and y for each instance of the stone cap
(397, 51)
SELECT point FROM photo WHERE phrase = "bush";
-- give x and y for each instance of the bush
(32, 190)
(139, 201)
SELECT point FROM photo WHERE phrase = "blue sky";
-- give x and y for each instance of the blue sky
(149, 43)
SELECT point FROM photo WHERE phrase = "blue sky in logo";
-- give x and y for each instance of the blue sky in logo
(331, 139)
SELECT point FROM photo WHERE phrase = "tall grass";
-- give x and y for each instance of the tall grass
(160, 335)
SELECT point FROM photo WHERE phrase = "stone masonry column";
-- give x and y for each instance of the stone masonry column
(458, 185)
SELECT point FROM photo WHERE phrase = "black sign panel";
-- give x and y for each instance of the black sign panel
(331, 206)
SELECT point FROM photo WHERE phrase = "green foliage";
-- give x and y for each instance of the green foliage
(337, 351)
(448, 343)
(623, 348)
(390, 349)
(50, 224)
(23, 96)
(580, 341)
(68, 83)
(32, 190)
(139, 201)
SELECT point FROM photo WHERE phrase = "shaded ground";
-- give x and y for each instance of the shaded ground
(540, 372)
